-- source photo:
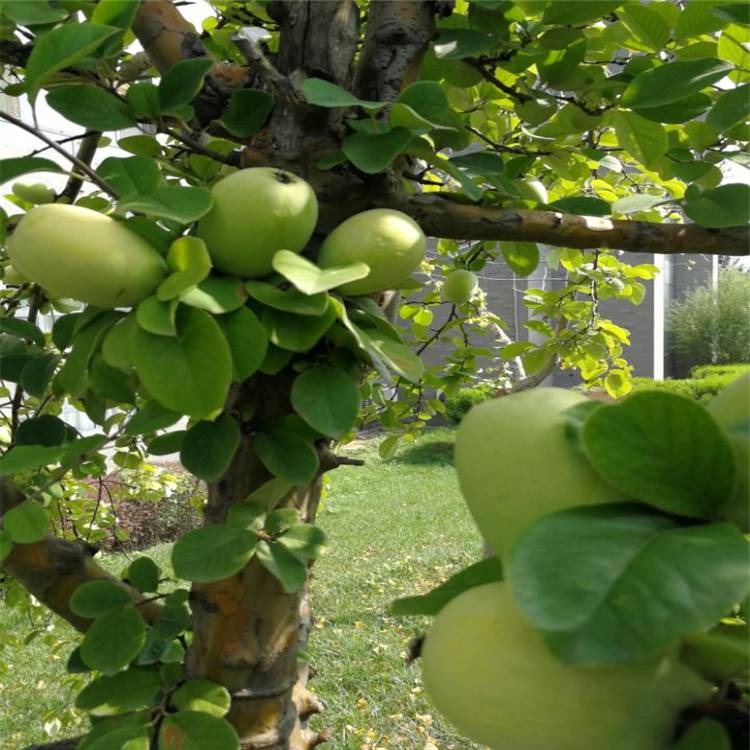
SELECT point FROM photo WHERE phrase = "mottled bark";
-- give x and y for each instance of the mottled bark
(441, 217)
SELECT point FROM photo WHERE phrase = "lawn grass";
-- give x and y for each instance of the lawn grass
(394, 528)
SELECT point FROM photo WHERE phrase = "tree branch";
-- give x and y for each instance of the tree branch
(398, 32)
(52, 569)
(86, 152)
(441, 217)
(14, 53)
(82, 167)
(68, 744)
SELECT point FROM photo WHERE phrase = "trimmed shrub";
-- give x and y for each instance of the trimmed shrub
(705, 381)
(457, 406)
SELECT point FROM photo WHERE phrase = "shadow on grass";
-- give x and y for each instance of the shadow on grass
(433, 453)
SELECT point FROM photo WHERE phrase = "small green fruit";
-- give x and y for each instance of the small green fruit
(458, 286)
(77, 253)
(390, 242)
(515, 464)
(256, 213)
(731, 409)
(36, 193)
(490, 673)
(532, 190)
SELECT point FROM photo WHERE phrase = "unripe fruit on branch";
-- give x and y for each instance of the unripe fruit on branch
(731, 409)
(490, 673)
(36, 193)
(515, 464)
(458, 286)
(256, 213)
(389, 241)
(79, 253)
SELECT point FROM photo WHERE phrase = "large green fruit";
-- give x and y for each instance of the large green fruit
(390, 242)
(515, 464)
(458, 286)
(256, 213)
(731, 409)
(79, 253)
(490, 673)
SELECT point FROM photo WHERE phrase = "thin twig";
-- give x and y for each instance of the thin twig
(232, 159)
(86, 152)
(267, 72)
(81, 166)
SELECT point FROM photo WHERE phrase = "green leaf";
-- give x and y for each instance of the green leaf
(23, 329)
(397, 357)
(33, 12)
(73, 376)
(143, 99)
(721, 654)
(196, 730)
(480, 162)
(477, 574)
(705, 734)
(372, 153)
(91, 107)
(143, 573)
(217, 294)
(120, 693)
(26, 523)
(522, 257)
(212, 553)
(6, 544)
(679, 111)
(110, 382)
(190, 263)
(182, 82)
(278, 561)
(133, 175)
(427, 99)
(202, 695)
(310, 279)
(296, 333)
(248, 342)
(191, 373)
(579, 11)
(45, 430)
(725, 206)
(157, 317)
(455, 44)
(209, 447)
(304, 540)
(645, 140)
(151, 416)
(326, 94)
(673, 81)
(60, 48)
(631, 204)
(164, 445)
(647, 26)
(607, 584)
(176, 202)
(247, 112)
(288, 457)
(114, 639)
(327, 399)
(735, 12)
(289, 300)
(581, 205)
(12, 168)
(117, 13)
(662, 449)
(140, 145)
(29, 456)
(94, 598)
(731, 108)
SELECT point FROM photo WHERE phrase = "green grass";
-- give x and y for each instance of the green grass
(394, 528)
